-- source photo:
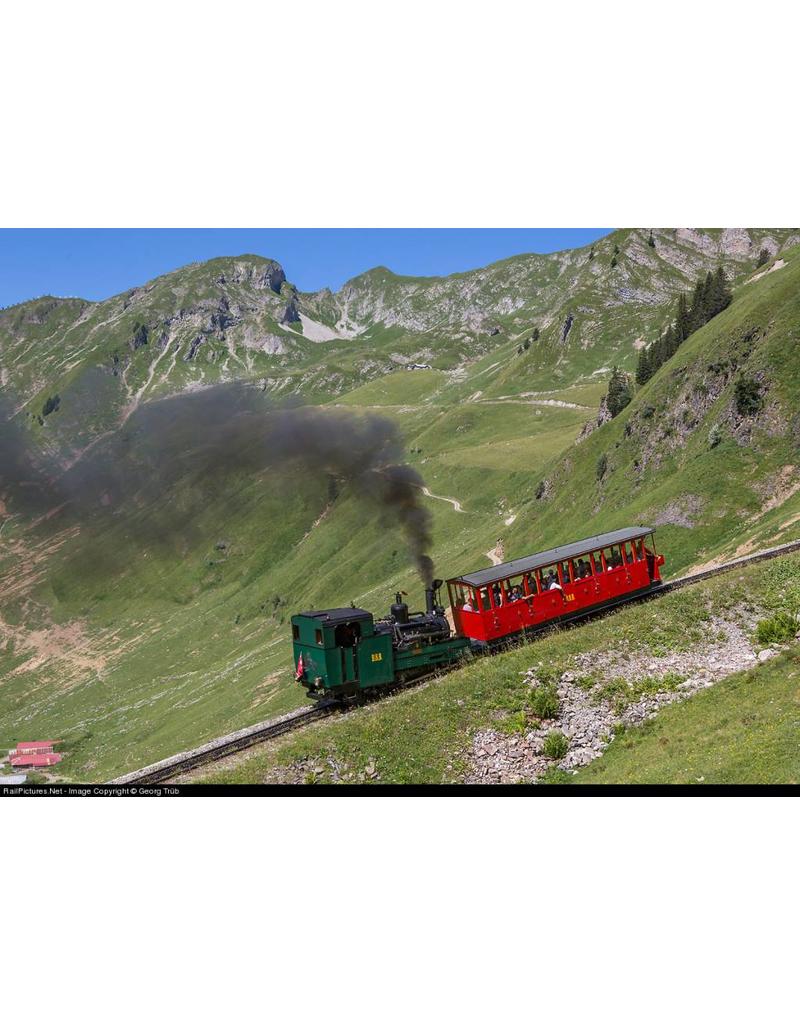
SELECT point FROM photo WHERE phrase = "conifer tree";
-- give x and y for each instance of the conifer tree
(711, 295)
(535, 335)
(708, 288)
(682, 327)
(613, 261)
(721, 296)
(619, 391)
(763, 256)
(651, 241)
(644, 369)
(671, 342)
(656, 357)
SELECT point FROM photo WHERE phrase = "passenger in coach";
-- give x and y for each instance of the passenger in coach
(467, 606)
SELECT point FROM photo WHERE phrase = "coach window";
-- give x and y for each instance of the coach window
(483, 600)
(514, 589)
(580, 568)
(597, 561)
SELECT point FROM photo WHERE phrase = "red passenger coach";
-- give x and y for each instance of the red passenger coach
(559, 584)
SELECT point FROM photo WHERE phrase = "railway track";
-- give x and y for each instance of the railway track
(224, 746)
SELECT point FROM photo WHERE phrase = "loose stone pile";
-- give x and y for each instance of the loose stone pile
(322, 769)
(588, 721)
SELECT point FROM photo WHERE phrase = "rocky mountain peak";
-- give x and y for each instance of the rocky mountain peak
(253, 270)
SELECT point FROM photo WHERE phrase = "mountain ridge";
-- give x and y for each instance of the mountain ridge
(240, 318)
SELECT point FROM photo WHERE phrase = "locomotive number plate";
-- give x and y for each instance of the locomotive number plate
(377, 656)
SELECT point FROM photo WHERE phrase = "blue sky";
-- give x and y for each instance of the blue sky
(97, 263)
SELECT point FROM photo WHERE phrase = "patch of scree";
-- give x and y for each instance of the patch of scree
(589, 722)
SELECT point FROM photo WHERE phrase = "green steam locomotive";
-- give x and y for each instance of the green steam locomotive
(346, 651)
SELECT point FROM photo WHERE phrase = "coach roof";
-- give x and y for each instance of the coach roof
(521, 565)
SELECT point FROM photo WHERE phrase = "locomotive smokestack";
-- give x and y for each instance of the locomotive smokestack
(431, 593)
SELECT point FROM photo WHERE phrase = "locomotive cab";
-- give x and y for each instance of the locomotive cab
(338, 649)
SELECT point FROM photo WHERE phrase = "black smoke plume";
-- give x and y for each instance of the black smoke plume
(191, 448)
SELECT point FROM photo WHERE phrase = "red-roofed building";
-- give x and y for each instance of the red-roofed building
(18, 760)
(35, 747)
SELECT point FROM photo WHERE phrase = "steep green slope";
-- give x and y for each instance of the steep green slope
(129, 652)
(687, 454)
(744, 731)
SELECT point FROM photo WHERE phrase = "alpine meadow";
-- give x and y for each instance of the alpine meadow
(188, 464)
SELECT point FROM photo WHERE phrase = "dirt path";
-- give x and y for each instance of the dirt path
(553, 403)
(775, 266)
(452, 501)
(497, 555)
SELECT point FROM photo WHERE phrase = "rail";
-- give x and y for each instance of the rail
(223, 746)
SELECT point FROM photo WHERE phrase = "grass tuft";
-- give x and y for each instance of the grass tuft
(621, 693)
(544, 702)
(556, 745)
(779, 628)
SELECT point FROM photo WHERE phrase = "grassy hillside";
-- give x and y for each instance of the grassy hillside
(742, 729)
(718, 477)
(129, 652)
